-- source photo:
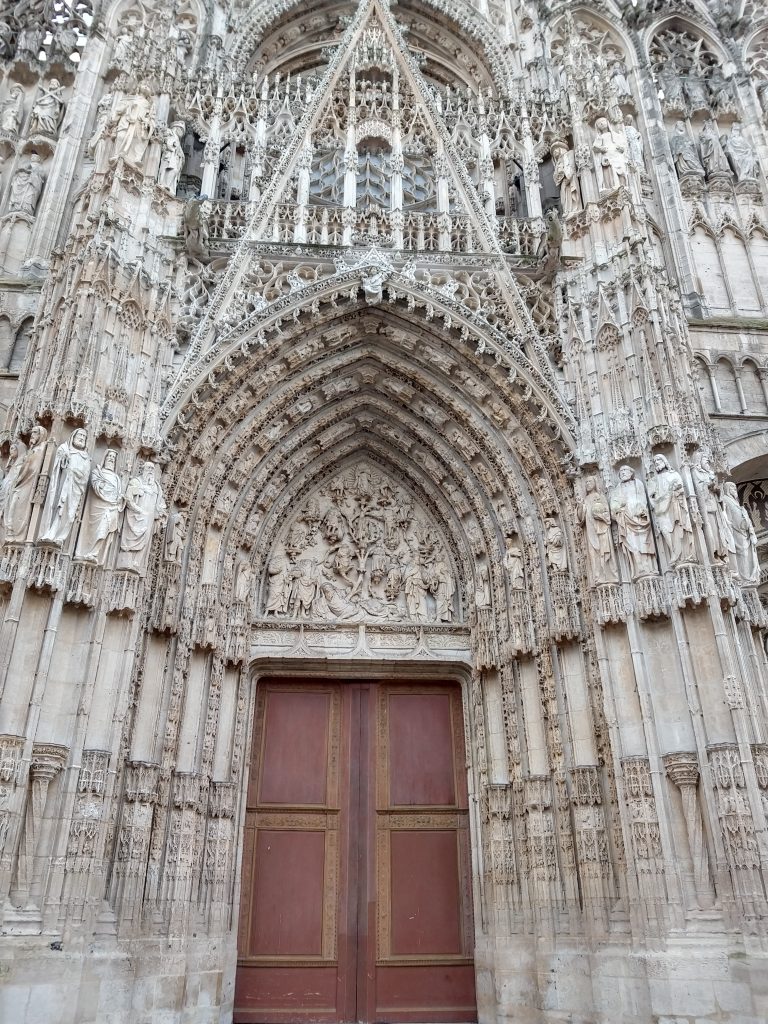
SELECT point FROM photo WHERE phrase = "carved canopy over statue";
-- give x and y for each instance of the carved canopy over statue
(359, 549)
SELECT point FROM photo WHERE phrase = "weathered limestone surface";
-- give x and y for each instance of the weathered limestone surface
(426, 338)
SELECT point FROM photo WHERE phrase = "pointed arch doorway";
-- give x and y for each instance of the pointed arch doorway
(356, 899)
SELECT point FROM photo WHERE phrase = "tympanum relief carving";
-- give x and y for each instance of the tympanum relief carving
(361, 548)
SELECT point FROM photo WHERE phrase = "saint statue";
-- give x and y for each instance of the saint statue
(554, 540)
(47, 109)
(134, 128)
(712, 155)
(629, 508)
(566, 177)
(8, 482)
(705, 482)
(196, 230)
(172, 159)
(741, 154)
(635, 143)
(144, 506)
(103, 505)
(66, 487)
(26, 186)
(684, 153)
(174, 538)
(670, 509)
(99, 142)
(243, 581)
(278, 585)
(19, 486)
(513, 563)
(12, 113)
(610, 146)
(744, 543)
(596, 517)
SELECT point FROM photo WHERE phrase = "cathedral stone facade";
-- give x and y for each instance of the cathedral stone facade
(384, 511)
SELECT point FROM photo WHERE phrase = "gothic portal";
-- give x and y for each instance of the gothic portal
(384, 511)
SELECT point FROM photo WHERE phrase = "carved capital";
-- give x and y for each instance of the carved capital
(682, 767)
(47, 760)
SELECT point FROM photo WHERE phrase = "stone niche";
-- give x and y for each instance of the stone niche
(361, 547)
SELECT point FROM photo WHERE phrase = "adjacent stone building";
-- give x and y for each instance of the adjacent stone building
(385, 511)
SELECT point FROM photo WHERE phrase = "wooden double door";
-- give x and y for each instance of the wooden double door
(356, 896)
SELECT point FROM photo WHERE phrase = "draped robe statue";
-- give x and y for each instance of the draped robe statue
(66, 487)
(144, 505)
(629, 507)
(102, 511)
(18, 492)
(744, 542)
(596, 518)
(670, 509)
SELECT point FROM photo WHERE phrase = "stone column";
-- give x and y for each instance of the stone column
(683, 769)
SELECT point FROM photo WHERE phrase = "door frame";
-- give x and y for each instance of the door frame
(368, 669)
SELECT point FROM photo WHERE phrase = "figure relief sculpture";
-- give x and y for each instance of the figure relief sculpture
(629, 508)
(12, 112)
(513, 563)
(610, 147)
(741, 155)
(172, 158)
(243, 581)
(19, 486)
(175, 534)
(66, 487)
(595, 515)
(361, 549)
(635, 143)
(744, 542)
(566, 177)
(144, 508)
(684, 153)
(712, 155)
(103, 505)
(718, 528)
(8, 482)
(670, 510)
(554, 541)
(134, 128)
(26, 186)
(47, 110)
(196, 230)
(100, 141)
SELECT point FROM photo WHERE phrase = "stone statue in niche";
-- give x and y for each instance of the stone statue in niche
(705, 482)
(620, 81)
(744, 541)
(361, 549)
(672, 86)
(595, 515)
(670, 510)
(144, 507)
(26, 186)
(712, 155)
(175, 534)
(100, 142)
(243, 581)
(134, 128)
(12, 112)
(66, 487)
(47, 110)
(103, 505)
(19, 485)
(610, 147)
(172, 159)
(483, 588)
(566, 177)
(196, 230)
(554, 540)
(629, 508)
(741, 155)
(684, 153)
(513, 563)
(8, 481)
(635, 143)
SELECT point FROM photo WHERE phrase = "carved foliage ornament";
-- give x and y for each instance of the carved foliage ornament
(361, 548)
